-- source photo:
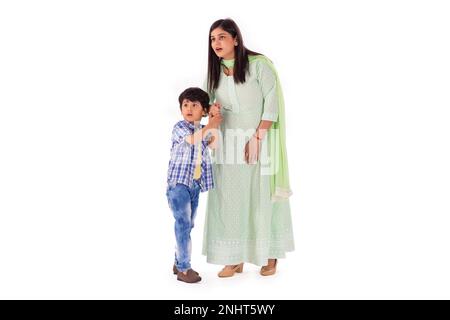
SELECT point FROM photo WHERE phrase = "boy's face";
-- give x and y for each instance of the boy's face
(192, 111)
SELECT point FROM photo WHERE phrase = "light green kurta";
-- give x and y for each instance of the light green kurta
(242, 223)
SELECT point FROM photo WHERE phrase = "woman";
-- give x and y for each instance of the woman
(248, 214)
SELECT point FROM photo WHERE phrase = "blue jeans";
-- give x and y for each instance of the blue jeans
(183, 201)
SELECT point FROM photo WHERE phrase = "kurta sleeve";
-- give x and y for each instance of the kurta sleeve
(205, 88)
(268, 82)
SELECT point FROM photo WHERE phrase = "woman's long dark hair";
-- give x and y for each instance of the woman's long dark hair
(241, 54)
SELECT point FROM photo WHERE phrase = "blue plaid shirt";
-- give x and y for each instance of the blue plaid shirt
(183, 158)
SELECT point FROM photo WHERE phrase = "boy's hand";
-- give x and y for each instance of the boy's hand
(214, 121)
(214, 110)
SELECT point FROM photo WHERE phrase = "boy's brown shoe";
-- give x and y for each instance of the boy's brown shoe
(175, 270)
(189, 277)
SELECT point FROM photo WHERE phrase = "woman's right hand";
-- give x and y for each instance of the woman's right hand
(214, 110)
(214, 121)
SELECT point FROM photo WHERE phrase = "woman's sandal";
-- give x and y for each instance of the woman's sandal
(269, 270)
(229, 272)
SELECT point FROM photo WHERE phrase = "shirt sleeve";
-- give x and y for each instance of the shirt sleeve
(268, 83)
(179, 133)
(207, 138)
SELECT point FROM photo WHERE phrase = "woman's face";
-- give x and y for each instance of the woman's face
(223, 43)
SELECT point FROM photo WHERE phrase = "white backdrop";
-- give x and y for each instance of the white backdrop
(88, 98)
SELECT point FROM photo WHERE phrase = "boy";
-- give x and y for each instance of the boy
(189, 173)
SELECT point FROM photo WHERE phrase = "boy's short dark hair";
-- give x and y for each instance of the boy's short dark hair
(195, 94)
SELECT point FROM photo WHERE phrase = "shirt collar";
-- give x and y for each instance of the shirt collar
(190, 125)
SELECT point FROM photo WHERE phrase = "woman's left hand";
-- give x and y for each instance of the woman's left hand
(252, 149)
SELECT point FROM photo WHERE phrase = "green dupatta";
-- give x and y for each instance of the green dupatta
(276, 137)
